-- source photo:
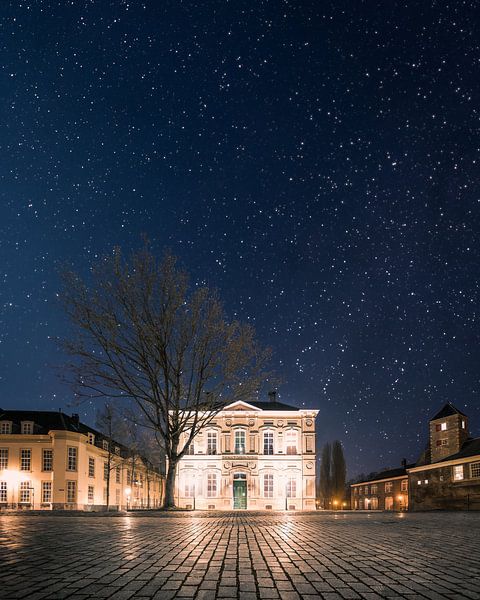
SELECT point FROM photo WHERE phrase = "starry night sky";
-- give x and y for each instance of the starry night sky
(316, 161)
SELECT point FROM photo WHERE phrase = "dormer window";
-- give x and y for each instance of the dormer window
(26, 427)
(5, 427)
(117, 450)
(91, 439)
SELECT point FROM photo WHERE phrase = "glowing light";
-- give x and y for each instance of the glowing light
(128, 491)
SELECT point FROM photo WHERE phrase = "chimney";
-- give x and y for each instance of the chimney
(272, 396)
(404, 463)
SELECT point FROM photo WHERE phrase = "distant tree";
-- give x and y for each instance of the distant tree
(141, 333)
(339, 471)
(110, 424)
(326, 476)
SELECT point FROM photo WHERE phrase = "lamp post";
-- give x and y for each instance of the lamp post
(128, 492)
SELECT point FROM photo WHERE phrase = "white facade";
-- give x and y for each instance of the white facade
(256, 456)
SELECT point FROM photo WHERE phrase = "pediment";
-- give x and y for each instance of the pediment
(241, 406)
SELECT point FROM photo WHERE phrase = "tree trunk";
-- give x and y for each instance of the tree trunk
(169, 501)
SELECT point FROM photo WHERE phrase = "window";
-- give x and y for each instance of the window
(117, 497)
(91, 439)
(212, 442)
(419, 482)
(91, 494)
(71, 459)
(389, 503)
(191, 449)
(71, 492)
(268, 485)
(5, 427)
(211, 485)
(374, 503)
(366, 489)
(189, 489)
(463, 424)
(3, 458)
(129, 477)
(442, 442)
(25, 460)
(388, 486)
(47, 459)
(443, 427)
(105, 445)
(291, 441)
(91, 466)
(375, 489)
(458, 473)
(26, 427)
(25, 491)
(239, 441)
(360, 490)
(404, 485)
(475, 469)
(355, 491)
(291, 487)
(425, 481)
(268, 442)
(105, 471)
(46, 491)
(117, 450)
(118, 475)
(3, 491)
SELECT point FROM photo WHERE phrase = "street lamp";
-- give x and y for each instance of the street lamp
(128, 492)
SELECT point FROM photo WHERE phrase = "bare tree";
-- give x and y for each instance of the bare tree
(110, 424)
(141, 333)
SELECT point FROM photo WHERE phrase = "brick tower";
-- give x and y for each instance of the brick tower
(448, 432)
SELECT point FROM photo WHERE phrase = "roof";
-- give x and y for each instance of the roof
(389, 474)
(447, 411)
(269, 405)
(471, 447)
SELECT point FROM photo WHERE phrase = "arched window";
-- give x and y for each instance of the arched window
(268, 442)
(211, 442)
(291, 441)
(240, 441)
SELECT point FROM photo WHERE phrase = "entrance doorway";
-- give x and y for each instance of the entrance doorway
(239, 490)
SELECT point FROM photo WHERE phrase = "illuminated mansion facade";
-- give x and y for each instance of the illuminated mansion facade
(256, 455)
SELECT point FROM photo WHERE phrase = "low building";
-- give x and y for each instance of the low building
(387, 490)
(447, 476)
(255, 455)
(49, 460)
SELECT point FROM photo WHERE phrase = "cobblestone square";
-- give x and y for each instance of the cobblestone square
(240, 555)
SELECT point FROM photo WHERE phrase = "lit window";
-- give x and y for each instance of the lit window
(211, 485)
(291, 441)
(26, 427)
(443, 427)
(46, 491)
(71, 459)
(189, 491)
(5, 427)
(268, 442)
(25, 492)
(475, 469)
(463, 425)
(71, 492)
(211, 442)
(426, 482)
(458, 472)
(91, 494)
(292, 487)
(404, 485)
(25, 460)
(268, 485)
(3, 492)
(374, 489)
(419, 482)
(91, 467)
(3, 458)
(239, 441)
(388, 486)
(47, 459)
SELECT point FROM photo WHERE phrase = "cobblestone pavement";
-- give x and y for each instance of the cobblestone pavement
(241, 555)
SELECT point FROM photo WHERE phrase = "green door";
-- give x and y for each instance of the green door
(239, 493)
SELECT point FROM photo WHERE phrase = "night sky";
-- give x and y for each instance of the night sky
(317, 162)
